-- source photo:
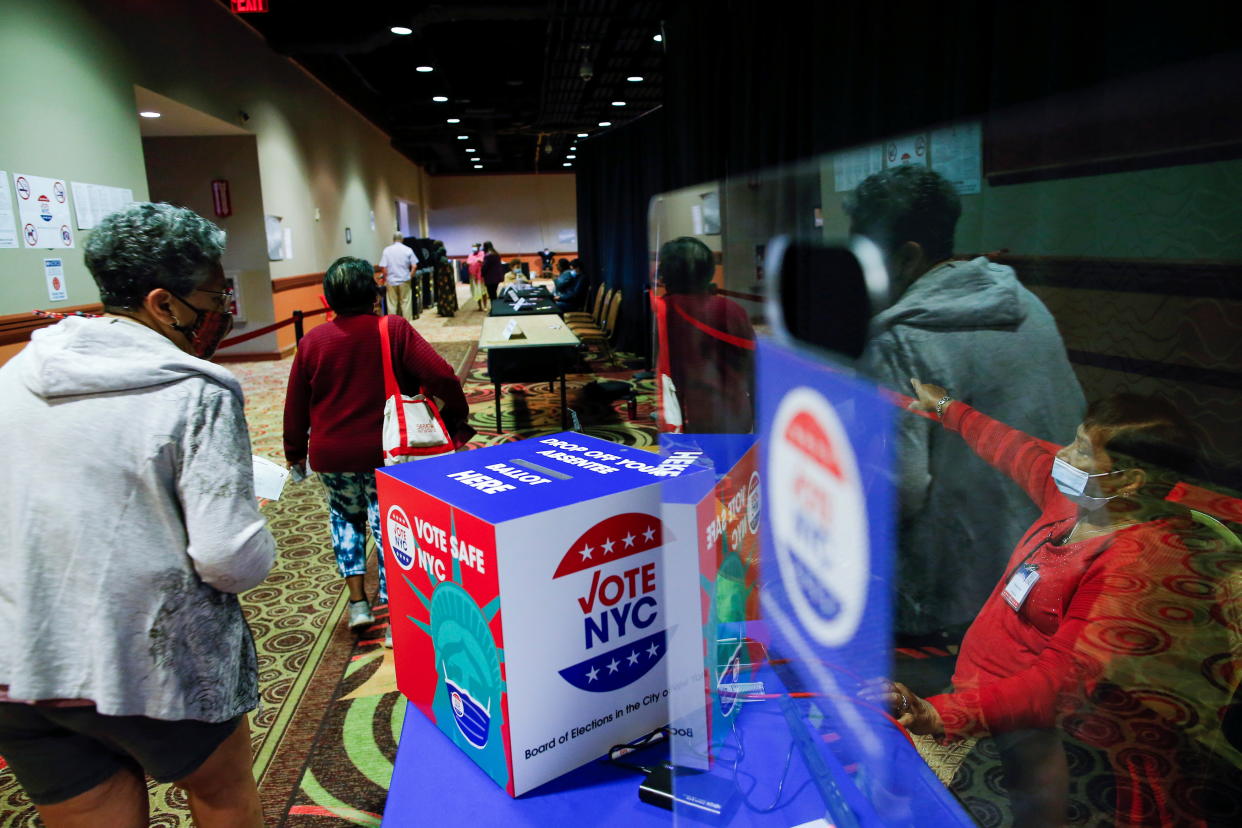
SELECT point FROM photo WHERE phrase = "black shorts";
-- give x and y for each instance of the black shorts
(57, 753)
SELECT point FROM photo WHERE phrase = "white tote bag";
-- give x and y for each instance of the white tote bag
(413, 428)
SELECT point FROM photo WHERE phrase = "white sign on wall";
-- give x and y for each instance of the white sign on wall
(54, 272)
(851, 167)
(955, 154)
(92, 202)
(912, 149)
(43, 211)
(8, 226)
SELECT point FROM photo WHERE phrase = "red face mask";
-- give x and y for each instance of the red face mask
(210, 327)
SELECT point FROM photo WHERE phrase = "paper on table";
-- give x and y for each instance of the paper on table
(269, 478)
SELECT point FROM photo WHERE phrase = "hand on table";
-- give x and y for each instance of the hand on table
(913, 713)
(926, 395)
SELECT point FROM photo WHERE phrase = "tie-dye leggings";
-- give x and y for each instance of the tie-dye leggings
(352, 504)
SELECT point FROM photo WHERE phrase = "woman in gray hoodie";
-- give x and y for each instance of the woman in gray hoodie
(132, 525)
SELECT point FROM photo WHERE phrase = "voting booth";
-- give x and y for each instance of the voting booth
(530, 602)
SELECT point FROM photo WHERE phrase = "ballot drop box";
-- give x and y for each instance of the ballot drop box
(530, 603)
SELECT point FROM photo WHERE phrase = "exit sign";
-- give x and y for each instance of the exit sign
(248, 6)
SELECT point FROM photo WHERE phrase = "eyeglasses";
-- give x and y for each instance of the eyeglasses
(225, 297)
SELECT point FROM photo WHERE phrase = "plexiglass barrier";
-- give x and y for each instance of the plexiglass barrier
(969, 548)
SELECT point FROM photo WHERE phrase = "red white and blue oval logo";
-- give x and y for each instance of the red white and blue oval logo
(616, 568)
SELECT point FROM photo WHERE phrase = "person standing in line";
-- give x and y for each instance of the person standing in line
(132, 527)
(445, 287)
(334, 414)
(974, 325)
(474, 262)
(707, 344)
(493, 270)
(396, 263)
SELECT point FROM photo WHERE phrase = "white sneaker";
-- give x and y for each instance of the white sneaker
(388, 637)
(360, 615)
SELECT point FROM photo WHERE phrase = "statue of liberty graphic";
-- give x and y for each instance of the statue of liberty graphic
(467, 700)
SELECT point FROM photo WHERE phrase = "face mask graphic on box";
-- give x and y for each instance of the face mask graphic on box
(472, 718)
(1072, 481)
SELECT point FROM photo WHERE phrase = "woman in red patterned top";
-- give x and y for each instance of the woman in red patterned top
(1093, 617)
(336, 398)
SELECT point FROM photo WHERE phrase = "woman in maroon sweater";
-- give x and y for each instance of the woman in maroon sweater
(1096, 602)
(493, 271)
(336, 395)
(707, 344)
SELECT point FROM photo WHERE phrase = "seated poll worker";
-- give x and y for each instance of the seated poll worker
(1088, 613)
(334, 415)
(568, 287)
(132, 526)
(516, 274)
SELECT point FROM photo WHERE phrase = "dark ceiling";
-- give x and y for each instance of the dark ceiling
(525, 78)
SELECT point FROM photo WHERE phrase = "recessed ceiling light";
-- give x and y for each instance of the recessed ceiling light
(605, 123)
(635, 79)
(658, 38)
(454, 120)
(149, 113)
(476, 158)
(571, 157)
(582, 135)
(440, 99)
(423, 69)
(618, 103)
(470, 149)
(566, 164)
(463, 137)
(478, 166)
(401, 30)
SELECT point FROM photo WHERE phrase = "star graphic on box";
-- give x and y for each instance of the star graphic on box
(619, 667)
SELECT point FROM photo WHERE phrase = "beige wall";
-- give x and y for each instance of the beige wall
(517, 213)
(180, 171)
(84, 59)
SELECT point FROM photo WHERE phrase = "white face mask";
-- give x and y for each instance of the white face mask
(1071, 481)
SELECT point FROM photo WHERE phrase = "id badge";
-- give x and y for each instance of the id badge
(1020, 586)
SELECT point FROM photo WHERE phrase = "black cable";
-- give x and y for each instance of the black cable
(780, 787)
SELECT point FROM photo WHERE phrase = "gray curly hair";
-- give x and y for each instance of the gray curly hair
(148, 246)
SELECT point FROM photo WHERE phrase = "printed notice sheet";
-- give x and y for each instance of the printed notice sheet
(955, 154)
(8, 223)
(851, 167)
(92, 202)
